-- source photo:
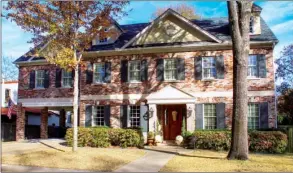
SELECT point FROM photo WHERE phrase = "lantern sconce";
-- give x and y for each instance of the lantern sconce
(151, 112)
(189, 112)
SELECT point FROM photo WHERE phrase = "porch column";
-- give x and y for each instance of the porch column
(190, 118)
(44, 123)
(20, 123)
(153, 120)
(62, 118)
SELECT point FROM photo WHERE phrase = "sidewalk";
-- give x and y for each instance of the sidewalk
(17, 168)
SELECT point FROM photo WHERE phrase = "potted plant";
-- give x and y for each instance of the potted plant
(151, 138)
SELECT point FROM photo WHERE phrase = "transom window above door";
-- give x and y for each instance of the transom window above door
(170, 70)
(134, 71)
(99, 72)
(209, 68)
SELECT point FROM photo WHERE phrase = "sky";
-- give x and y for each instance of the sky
(277, 14)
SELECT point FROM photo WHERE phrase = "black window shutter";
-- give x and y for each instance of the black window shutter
(46, 79)
(107, 78)
(58, 78)
(220, 109)
(124, 71)
(123, 115)
(144, 118)
(144, 70)
(199, 116)
(32, 79)
(264, 115)
(220, 68)
(198, 68)
(107, 114)
(262, 68)
(180, 69)
(72, 76)
(88, 115)
(89, 73)
(160, 69)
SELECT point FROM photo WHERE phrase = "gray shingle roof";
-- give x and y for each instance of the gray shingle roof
(218, 27)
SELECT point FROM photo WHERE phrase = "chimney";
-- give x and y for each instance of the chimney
(255, 26)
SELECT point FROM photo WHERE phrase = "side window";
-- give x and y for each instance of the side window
(66, 78)
(134, 71)
(98, 116)
(134, 116)
(210, 116)
(170, 69)
(208, 68)
(99, 72)
(253, 116)
(252, 70)
(40, 78)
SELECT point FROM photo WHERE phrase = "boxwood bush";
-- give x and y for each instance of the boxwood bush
(105, 137)
(259, 141)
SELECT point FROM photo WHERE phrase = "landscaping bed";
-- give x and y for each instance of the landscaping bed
(215, 161)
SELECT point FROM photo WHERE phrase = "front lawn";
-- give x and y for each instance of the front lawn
(211, 161)
(96, 159)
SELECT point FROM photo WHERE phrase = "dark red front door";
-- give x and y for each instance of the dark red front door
(172, 120)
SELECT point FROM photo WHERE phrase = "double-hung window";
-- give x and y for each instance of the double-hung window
(40, 78)
(98, 117)
(99, 72)
(170, 69)
(134, 116)
(209, 67)
(210, 116)
(134, 71)
(253, 116)
(252, 71)
(66, 78)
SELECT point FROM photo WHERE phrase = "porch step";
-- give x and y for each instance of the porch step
(167, 143)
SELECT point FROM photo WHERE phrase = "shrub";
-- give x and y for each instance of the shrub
(259, 141)
(104, 137)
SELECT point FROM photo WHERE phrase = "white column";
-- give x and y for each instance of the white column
(154, 118)
(190, 119)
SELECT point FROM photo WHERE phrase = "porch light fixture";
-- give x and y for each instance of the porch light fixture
(151, 112)
(189, 112)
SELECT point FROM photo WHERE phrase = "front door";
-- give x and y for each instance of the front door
(172, 121)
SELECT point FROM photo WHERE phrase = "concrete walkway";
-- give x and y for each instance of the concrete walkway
(17, 168)
(153, 161)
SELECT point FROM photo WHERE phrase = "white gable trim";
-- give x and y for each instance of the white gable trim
(166, 13)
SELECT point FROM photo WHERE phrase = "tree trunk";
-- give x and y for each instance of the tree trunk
(75, 105)
(239, 16)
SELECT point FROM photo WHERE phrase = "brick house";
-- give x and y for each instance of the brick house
(155, 75)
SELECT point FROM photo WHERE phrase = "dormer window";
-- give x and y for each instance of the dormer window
(104, 40)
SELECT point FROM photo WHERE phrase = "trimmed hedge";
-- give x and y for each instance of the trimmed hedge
(259, 141)
(104, 137)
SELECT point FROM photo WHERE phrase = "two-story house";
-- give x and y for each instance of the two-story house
(155, 75)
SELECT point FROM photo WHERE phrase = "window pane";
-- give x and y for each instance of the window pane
(209, 67)
(99, 120)
(40, 77)
(170, 69)
(210, 117)
(134, 116)
(66, 78)
(252, 70)
(99, 72)
(253, 116)
(134, 70)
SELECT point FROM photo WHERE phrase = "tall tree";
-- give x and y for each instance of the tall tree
(9, 70)
(285, 107)
(63, 30)
(284, 72)
(239, 16)
(184, 9)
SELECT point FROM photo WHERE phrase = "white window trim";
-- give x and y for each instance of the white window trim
(62, 79)
(128, 72)
(130, 118)
(249, 76)
(203, 125)
(36, 79)
(169, 80)
(92, 117)
(94, 72)
(202, 71)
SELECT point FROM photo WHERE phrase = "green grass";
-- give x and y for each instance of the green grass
(96, 159)
(211, 161)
